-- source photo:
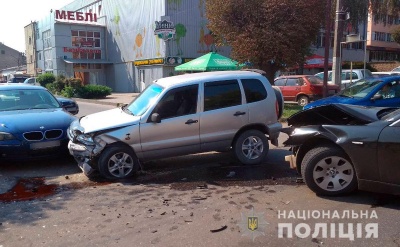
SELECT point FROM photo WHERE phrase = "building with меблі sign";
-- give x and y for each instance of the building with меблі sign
(121, 44)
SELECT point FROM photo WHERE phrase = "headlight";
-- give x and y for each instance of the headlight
(4, 136)
(85, 139)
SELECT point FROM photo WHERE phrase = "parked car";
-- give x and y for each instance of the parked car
(303, 88)
(31, 81)
(338, 148)
(32, 123)
(181, 115)
(68, 104)
(348, 76)
(367, 92)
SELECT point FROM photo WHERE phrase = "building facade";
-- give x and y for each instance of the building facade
(119, 43)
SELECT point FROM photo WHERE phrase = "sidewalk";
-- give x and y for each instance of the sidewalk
(115, 99)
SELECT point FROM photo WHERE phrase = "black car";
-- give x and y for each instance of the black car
(338, 148)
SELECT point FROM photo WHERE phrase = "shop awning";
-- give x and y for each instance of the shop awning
(93, 61)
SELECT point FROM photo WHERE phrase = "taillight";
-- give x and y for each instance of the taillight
(277, 108)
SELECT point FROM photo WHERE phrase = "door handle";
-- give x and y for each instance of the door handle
(238, 113)
(190, 121)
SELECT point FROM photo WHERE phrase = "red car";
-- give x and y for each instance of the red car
(303, 88)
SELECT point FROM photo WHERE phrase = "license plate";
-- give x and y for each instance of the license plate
(44, 145)
(75, 147)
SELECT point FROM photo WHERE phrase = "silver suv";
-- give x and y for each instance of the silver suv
(180, 115)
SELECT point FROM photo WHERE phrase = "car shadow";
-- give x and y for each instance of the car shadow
(375, 200)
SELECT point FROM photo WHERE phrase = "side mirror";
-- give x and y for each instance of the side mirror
(155, 118)
(376, 97)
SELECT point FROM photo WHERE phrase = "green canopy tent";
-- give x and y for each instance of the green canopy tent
(209, 62)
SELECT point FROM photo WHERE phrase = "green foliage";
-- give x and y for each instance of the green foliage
(45, 79)
(68, 92)
(67, 87)
(93, 91)
(289, 110)
(396, 35)
(269, 34)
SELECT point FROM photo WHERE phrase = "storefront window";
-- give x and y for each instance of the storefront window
(88, 39)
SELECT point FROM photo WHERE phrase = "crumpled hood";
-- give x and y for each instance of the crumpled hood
(31, 120)
(330, 100)
(109, 119)
(337, 114)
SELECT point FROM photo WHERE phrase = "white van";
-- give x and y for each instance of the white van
(348, 75)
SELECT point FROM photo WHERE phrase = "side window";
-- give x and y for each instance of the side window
(280, 82)
(301, 81)
(354, 76)
(254, 90)
(293, 82)
(178, 102)
(221, 94)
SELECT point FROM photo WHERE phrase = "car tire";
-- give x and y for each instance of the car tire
(251, 147)
(328, 171)
(303, 100)
(279, 98)
(117, 162)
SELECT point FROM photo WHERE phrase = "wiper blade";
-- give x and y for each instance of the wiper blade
(345, 96)
(125, 109)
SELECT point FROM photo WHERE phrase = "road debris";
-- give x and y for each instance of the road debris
(219, 229)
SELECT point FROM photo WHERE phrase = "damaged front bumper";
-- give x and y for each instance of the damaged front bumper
(85, 155)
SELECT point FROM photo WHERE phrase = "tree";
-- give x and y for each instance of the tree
(396, 35)
(270, 34)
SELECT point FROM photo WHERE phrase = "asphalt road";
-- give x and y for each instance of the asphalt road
(195, 200)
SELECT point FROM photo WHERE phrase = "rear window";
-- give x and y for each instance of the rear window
(254, 90)
(314, 80)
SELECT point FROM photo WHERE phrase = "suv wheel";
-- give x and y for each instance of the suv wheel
(302, 100)
(251, 147)
(117, 162)
(328, 171)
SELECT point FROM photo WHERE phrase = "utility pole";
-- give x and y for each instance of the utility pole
(327, 46)
(337, 60)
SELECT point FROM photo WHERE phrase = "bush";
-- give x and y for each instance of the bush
(45, 79)
(93, 91)
(68, 92)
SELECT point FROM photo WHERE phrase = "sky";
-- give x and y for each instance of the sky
(16, 14)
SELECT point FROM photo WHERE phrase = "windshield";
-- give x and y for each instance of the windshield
(360, 88)
(140, 105)
(26, 99)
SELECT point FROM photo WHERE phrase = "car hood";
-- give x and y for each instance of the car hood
(336, 99)
(34, 120)
(110, 119)
(338, 114)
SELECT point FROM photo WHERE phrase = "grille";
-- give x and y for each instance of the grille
(33, 136)
(37, 135)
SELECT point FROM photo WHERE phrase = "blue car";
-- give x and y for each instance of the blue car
(33, 123)
(382, 92)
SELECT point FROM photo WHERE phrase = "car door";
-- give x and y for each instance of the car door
(392, 101)
(389, 154)
(224, 113)
(178, 131)
(292, 88)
